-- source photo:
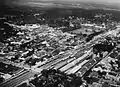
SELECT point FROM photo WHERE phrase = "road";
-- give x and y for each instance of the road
(17, 79)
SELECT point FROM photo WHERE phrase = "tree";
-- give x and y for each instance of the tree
(1, 79)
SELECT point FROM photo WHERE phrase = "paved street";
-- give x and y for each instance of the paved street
(18, 79)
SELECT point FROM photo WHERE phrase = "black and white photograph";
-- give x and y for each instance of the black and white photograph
(59, 43)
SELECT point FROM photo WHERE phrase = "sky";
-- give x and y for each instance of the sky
(26, 1)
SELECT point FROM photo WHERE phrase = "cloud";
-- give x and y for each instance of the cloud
(38, 1)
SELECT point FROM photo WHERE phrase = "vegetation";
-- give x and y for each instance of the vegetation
(55, 78)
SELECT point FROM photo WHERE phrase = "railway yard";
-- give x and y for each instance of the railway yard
(59, 50)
